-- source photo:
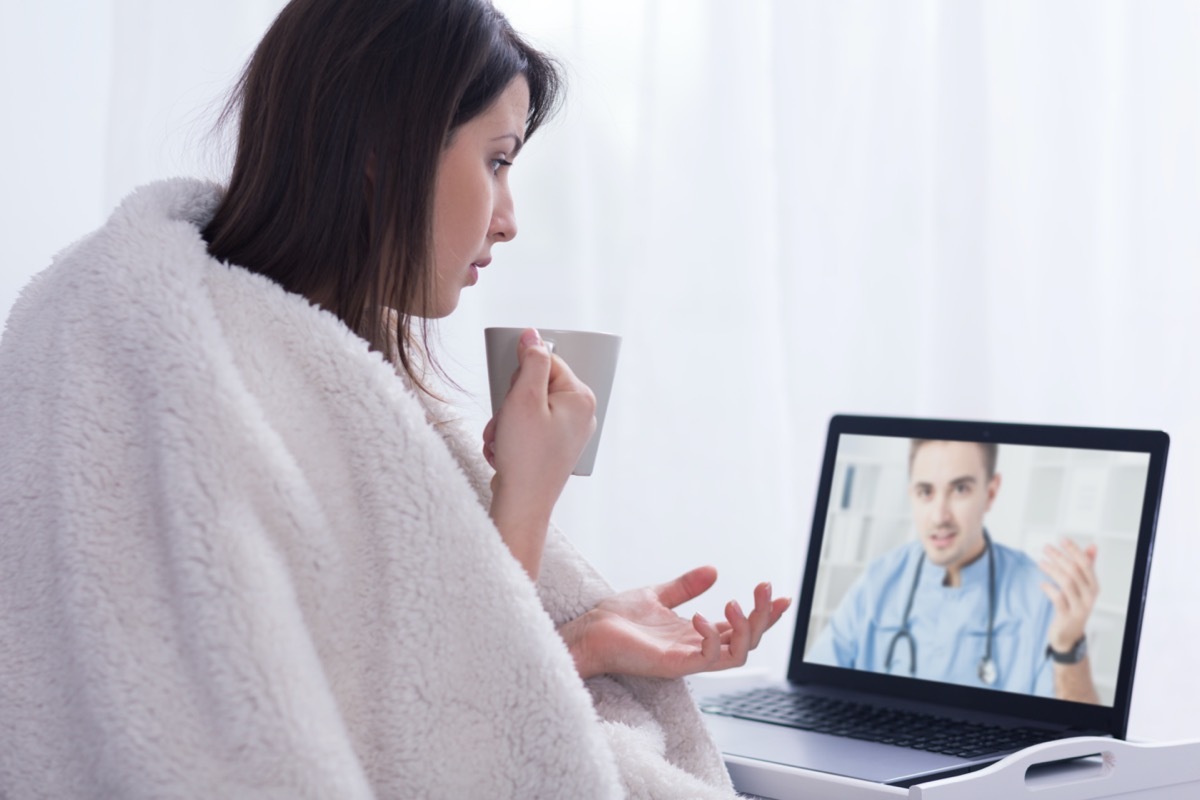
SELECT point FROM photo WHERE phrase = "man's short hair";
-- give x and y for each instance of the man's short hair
(991, 451)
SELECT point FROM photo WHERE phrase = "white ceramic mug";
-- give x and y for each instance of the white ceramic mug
(592, 356)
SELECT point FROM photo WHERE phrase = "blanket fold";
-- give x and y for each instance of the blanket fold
(240, 557)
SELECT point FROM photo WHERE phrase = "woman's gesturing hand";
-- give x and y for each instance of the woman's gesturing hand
(637, 633)
(533, 443)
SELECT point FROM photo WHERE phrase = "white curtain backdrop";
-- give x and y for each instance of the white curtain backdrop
(788, 209)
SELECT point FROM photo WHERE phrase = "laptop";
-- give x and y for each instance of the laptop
(925, 612)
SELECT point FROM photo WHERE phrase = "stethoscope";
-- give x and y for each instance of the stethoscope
(987, 665)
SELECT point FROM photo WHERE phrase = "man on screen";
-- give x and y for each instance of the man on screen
(957, 606)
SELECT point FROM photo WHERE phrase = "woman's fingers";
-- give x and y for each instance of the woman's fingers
(741, 634)
(489, 442)
(760, 617)
(532, 378)
(687, 586)
(778, 606)
(710, 639)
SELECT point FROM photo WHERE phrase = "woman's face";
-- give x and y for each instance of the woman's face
(473, 206)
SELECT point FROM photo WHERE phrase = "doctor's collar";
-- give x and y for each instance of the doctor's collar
(972, 574)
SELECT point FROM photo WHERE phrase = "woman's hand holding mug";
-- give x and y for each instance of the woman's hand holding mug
(533, 442)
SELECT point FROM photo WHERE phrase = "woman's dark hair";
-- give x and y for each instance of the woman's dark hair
(340, 87)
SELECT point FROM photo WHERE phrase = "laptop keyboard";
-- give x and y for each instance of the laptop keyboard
(872, 723)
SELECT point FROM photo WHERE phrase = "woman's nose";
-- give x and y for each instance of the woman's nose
(504, 220)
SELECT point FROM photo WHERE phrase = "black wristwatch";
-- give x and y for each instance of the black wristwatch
(1072, 656)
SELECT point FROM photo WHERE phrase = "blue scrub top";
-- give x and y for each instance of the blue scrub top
(949, 624)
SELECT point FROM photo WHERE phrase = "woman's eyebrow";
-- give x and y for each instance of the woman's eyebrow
(518, 142)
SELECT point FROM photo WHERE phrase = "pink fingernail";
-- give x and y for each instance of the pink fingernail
(531, 337)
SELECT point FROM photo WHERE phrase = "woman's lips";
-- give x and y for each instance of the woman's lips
(473, 277)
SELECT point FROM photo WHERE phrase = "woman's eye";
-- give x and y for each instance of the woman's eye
(497, 163)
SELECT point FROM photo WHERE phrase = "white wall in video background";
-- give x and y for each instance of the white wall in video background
(1046, 493)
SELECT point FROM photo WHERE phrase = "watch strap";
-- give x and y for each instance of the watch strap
(1072, 656)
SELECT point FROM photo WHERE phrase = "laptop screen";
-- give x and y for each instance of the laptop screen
(998, 558)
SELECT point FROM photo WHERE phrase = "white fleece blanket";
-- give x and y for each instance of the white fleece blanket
(239, 557)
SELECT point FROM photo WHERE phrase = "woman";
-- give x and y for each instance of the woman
(238, 555)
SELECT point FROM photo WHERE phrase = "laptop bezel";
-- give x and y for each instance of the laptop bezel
(1112, 720)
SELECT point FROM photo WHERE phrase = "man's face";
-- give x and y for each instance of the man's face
(950, 493)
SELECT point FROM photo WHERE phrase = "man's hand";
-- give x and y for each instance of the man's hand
(637, 633)
(1073, 593)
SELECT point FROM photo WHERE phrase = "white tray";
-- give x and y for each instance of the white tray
(1102, 768)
